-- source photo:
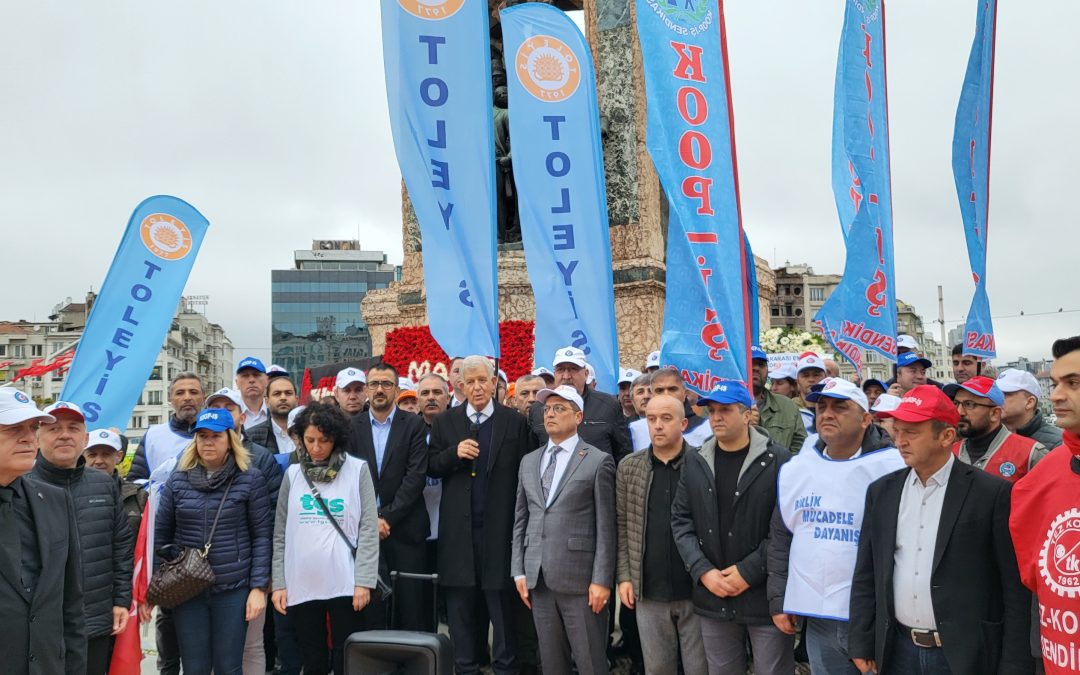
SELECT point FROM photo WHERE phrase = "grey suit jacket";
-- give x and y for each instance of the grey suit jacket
(573, 540)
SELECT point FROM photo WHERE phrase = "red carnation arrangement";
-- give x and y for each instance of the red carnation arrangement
(415, 353)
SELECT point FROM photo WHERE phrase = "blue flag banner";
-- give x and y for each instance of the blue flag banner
(861, 313)
(971, 171)
(559, 171)
(691, 140)
(752, 291)
(438, 87)
(134, 310)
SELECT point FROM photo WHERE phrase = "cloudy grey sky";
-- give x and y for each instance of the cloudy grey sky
(270, 117)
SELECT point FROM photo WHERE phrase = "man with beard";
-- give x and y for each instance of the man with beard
(165, 441)
(393, 443)
(626, 394)
(986, 444)
(251, 380)
(350, 390)
(525, 390)
(668, 382)
(273, 434)
(641, 393)
(779, 415)
(433, 394)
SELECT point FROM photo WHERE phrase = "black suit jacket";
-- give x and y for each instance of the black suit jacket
(400, 483)
(510, 441)
(47, 634)
(983, 613)
(603, 424)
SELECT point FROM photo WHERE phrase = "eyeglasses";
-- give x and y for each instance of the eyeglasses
(376, 384)
(971, 405)
(557, 409)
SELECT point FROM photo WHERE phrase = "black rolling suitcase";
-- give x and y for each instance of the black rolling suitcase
(401, 652)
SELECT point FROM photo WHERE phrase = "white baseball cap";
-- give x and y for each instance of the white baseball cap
(837, 387)
(886, 403)
(104, 437)
(231, 395)
(564, 392)
(784, 371)
(591, 377)
(542, 371)
(808, 361)
(293, 414)
(16, 408)
(571, 355)
(65, 408)
(906, 341)
(405, 384)
(653, 360)
(628, 375)
(347, 376)
(502, 375)
(1014, 379)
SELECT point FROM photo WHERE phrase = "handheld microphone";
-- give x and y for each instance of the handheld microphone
(474, 434)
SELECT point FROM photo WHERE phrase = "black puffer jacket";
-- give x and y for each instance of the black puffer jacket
(108, 545)
(263, 461)
(703, 547)
(240, 554)
(262, 434)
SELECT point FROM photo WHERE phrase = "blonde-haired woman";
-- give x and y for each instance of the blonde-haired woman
(216, 468)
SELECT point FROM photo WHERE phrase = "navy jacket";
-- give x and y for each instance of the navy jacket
(240, 552)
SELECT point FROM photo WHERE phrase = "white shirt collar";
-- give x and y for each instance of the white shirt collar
(569, 445)
(487, 412)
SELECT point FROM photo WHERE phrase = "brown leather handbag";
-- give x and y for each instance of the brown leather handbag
(178, 580)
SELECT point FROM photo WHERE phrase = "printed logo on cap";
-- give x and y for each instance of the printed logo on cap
(1007, 469)
(61, 404)
(1059, 559)
(103, 434)
(21, 397)
(432, 10)
(548, 68)
(913, 400)
(165, 236)
(208, 415)
(350, 372)
(831, 384)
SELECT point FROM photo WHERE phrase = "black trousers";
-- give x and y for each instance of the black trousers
(465, 606)
(98, 653)
(409, 604)
(168, 661)
(309, 621)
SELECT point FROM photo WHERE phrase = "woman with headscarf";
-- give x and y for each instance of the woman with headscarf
(215, 470)
(326, 539)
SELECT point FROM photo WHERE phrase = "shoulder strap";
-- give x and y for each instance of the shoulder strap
(213, 528)
(326, 511)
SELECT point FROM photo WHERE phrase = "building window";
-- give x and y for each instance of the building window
(153, 397)
(155, 374)
(154, 419)
(136, 421)
(797, 290)
(3, 350)
(817, 293)
(37, 350)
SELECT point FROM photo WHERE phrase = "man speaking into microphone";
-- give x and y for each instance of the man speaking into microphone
(476, 449)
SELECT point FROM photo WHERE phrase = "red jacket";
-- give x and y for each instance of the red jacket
(1045, 526)
(1010, 456)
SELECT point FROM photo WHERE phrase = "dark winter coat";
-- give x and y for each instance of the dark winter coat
(695, 519)
(262, 434)
(105, 538)
(240, 552)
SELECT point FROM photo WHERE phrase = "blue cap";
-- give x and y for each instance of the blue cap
(251, 362)
(727, 392)
(758, 354)
(214, 419)
(911, 358)
(873, 380)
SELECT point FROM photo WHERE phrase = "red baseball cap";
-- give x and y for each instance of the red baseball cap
(925, 402)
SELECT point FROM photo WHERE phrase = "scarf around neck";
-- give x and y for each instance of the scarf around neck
(321, 472)
(204, 481)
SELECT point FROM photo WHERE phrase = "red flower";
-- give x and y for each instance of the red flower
(414, 352)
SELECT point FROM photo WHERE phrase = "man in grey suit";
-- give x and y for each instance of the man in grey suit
(564, 550)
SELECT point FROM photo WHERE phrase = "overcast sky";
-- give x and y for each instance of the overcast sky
(270, 117)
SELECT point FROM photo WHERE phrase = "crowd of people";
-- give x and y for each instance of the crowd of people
(897, 527)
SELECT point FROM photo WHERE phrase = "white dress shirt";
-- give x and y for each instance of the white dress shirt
(561, 461)
(285, 443)
(253, 418)
(916, 534)
(487, 412)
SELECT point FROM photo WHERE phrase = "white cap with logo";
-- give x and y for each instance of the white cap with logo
(785, 371)
(230, 395)
(628, 375)
(16, 408)
(1014, 379)
(836, 387)
(808, 361)
(104, 437)
(66, 409)
(591, 377)
(571, 355)
(886, 403)
(653, 360)
(347, 376)
(564, 392)
(906, 341)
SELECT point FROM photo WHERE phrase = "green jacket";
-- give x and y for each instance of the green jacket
(780, 417)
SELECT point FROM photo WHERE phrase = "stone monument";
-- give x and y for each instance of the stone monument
(637, 210)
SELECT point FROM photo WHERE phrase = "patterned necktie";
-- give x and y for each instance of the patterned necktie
(549, 473)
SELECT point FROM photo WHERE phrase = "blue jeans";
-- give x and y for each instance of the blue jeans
(909, 659)
(827, 647)
(211, 629)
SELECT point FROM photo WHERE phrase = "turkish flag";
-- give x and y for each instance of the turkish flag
(127, 651)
